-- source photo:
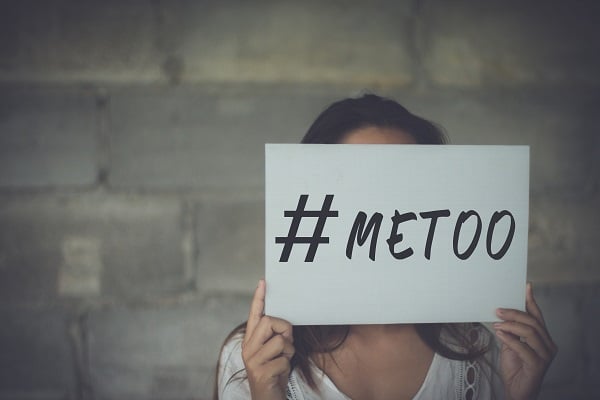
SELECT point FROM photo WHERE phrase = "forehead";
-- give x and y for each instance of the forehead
(378, 135)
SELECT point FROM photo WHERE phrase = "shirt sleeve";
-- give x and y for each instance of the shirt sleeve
(232, 381)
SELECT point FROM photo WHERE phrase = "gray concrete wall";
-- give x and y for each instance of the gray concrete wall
(131, 139)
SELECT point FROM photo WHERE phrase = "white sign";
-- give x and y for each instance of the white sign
(374, 234)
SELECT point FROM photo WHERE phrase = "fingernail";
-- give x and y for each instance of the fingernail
(497, 325)
(499, 333)
(499, 311)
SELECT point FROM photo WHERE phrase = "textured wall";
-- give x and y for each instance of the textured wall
(131, 140)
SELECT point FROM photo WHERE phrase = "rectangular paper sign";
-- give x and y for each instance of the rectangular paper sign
(374, 234)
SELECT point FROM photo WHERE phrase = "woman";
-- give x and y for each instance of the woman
(267, 358)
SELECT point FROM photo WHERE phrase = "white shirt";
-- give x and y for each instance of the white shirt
(445, 380)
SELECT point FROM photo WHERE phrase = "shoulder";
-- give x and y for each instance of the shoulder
(482, 375)
(231, 376)
(232, 351)
(466, 379)
(491, 368)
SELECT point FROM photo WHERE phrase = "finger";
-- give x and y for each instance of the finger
(528, 335)
(525, 353)
(266, 328)
(277, 367)
(507, 314)
(277, 346)
(531, 305)
(533, 309)
(256, 309)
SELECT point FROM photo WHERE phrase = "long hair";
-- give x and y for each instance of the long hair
(453, 341)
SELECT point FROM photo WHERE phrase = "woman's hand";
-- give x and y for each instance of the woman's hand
(267, 349)
(527, 349)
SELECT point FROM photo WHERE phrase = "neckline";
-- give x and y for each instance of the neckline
(329, 383)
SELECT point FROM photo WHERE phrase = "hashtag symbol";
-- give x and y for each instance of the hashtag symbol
(317, 237)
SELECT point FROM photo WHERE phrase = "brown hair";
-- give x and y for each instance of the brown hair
(453, 341)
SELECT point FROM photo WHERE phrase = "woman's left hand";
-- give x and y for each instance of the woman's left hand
(527, 349)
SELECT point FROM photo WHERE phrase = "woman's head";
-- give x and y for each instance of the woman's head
(364, 120)
(341, 121)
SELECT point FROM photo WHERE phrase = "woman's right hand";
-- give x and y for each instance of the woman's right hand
(267, 349)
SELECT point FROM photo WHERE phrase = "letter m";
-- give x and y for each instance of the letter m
(360, 233)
